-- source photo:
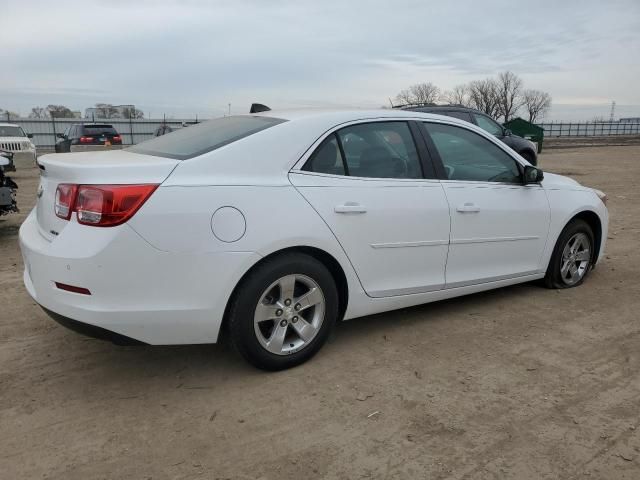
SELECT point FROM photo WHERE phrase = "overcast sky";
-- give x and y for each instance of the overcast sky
(194, 57)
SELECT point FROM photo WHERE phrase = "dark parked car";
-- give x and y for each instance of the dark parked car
(81, 137)
(526, 149)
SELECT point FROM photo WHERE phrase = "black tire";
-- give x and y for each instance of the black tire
(553, 277)
(248, 294)
(529, 157)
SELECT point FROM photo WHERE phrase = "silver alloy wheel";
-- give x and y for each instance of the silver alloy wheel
(289, 314)
(575, 259)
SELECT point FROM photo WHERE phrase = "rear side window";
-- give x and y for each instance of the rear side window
(458, 114)
(204, 137)
(327, 158)
(372, 150)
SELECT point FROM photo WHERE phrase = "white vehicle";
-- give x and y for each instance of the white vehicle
(13, 139)
(276, 225)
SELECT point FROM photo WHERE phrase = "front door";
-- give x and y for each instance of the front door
(366, 182)
(499, 226)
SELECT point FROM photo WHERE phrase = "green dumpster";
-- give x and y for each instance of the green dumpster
(527, 130)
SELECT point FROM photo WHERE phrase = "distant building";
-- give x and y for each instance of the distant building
(630, 120)
(119, 111)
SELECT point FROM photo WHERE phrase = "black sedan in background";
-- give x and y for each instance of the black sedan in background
(88, 136)
(526, 149)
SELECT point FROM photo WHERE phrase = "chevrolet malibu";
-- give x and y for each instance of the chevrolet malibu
(273, 226)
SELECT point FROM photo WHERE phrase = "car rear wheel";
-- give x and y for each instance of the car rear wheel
(283, 311)
(572, 257)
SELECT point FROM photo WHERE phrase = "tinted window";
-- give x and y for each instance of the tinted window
(9, 131)
(457, 114)
(204, 137)
(488, 125)
(468, 156)
(380, 150)
(327, 158)
(98, 130)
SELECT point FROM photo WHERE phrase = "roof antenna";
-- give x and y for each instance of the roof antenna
(258, 107)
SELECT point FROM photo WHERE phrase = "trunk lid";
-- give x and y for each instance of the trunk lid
(118, 167)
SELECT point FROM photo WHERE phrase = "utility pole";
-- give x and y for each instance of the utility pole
(229, 109)
(613, 111)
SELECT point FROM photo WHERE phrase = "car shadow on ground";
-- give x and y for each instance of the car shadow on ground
(191, 365)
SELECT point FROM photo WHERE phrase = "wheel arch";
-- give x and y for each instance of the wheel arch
(593, 220)
(328, 260)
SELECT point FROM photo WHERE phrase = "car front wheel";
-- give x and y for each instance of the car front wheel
(572, 256)
(283, 311)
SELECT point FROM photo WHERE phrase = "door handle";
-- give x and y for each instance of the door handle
(350, 207)
(468, 208)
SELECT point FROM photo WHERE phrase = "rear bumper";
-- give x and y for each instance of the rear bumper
(91, 330)
(137, 291)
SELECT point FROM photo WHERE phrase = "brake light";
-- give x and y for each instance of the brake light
(106, 205)
(65, 196)
(117, 139)
(86, 139)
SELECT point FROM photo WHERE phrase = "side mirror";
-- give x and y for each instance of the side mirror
(507, 132)
(532, 175)
(60, 135)
(29, 135)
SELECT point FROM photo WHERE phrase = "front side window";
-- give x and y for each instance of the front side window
(488, 125)
(468, 156)
(204, 137)
(372, 150)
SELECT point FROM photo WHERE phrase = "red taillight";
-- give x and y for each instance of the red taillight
(65, 196)
(86, 139)
(117, 139)
(106, 205)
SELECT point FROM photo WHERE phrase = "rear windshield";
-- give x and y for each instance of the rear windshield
(98, 129)
(204, 137)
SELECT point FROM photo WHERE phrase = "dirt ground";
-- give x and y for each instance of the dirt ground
(517, 383)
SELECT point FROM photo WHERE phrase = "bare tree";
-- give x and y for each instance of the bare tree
(106, 110)
(132, 112)
(59, 111)
(537, 103)
(421, 93)
(38, 112)
(459, 95)
(8, 114)
(509, 94)
(483, 96)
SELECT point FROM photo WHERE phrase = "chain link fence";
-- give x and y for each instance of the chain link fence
(137, 130)
(132, 131)
(589, 129)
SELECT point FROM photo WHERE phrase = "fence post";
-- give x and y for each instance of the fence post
(131, 129)
(53, 121)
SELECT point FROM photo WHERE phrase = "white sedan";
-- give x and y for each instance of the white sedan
(276, 225)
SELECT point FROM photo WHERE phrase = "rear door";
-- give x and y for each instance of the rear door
(366, 181)
(499, 226)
